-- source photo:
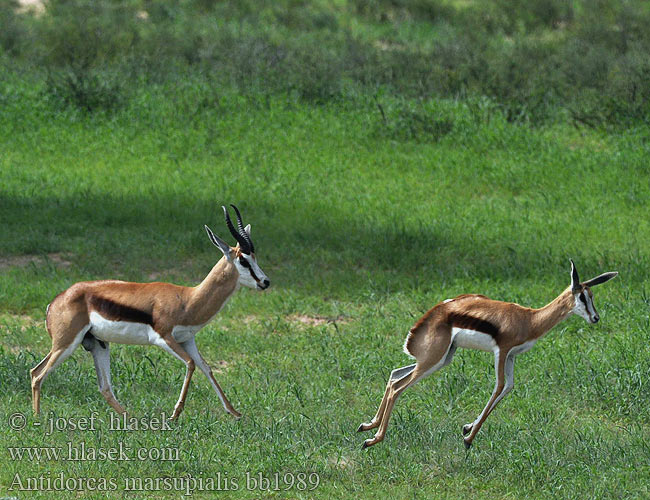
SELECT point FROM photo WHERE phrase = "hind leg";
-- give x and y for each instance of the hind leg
(440, 354)
(36, 387)
(394, 390)
(59, 353)
(394, 376)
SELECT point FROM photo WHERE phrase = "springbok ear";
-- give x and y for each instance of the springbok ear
(575, 280)
(248, 230)
(220, 244)
(601, 279)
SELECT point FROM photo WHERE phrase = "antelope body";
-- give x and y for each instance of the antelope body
(97, 313)
(477, 322)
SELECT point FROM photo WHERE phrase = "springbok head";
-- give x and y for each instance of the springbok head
(584, 299)
(242, 255)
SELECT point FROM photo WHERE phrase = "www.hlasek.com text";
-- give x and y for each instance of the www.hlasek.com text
(80, 452)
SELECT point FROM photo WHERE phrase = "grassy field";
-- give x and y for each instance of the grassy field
(362, 223)
(389, 155)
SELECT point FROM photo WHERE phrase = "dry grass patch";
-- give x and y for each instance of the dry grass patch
(22, 321)
(316, 320)
(59, 259)
(221, 366)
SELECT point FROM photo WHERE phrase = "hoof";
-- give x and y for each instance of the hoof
(467, 428)
(468, 444)
(361, 428)
(371, 442)
(235, 414)
(177, 412)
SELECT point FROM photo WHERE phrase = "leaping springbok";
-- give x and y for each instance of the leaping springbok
(95, 313)
(476, 322)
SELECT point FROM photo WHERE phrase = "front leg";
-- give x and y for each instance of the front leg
(504, 366)
(193, 351)
(170, 345)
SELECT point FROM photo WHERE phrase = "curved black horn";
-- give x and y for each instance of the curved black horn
(242, 231)
(243, 242)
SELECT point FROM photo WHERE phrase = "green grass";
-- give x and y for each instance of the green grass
(359, 220)
(539, 61)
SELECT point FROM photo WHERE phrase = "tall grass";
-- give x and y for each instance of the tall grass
(582, 62)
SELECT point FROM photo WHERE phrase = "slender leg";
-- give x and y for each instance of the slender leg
(394, 376)
(510, 382)
(170, 345)
(443, 352)
(504, 367)
(192, 350)
(57, 355)
(36, 387)
(396, 388)
(101, 356)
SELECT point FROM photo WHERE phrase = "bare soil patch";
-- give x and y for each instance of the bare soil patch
(24, 320)
(221, 366)
(59, 259)
(316, 320)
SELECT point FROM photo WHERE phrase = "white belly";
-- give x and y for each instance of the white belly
(471, 339)
(121, 332)
(127, 332)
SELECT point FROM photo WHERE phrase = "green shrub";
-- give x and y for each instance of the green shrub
(409, 122)
(14, 30)
(84, 89)
(534, 59)
(86, 33)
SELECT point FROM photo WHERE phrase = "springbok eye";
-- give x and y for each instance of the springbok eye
(244, 263)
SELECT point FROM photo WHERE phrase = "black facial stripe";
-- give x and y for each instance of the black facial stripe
(582, 299)
(247, 265)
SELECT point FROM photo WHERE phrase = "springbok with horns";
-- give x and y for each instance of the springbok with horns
(96, 313)
(477, 322)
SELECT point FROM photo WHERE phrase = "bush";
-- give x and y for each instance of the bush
(86, 34)
(83, 89)
(533, 58)
(14, 31)
(411, 123)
